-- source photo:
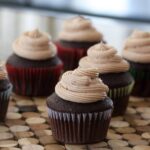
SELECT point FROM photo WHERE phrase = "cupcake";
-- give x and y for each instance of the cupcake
(34, 67)
(113, 71)
(77, 36)
(5, 92)
(137, 53)
(79, 110)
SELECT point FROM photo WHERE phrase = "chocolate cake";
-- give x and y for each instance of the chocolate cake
(114, 81)
(79, 108)
(34, 64)
(5, 91)
(137, 53)
(77, 35)
(113, 70)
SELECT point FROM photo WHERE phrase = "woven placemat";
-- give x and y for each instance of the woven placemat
(27, 128)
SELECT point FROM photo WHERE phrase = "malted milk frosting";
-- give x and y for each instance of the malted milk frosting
(105, 59)
(79, 29)
(34, 45)
(137, 47)
(3, 73)
(81, 86)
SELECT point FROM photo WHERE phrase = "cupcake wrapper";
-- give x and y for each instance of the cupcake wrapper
(120, 92)
(34, 81)
(140, 74)
(142, 82)
(120, 97)
(4, 101)
(70, 56)
(79, 128)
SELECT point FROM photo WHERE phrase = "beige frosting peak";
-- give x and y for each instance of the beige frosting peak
(3, 73)
(34, 45)
(81, 86)
(34, 34)
(140, 34)
(104, 58)
(102, 47)
(137, 47)
(79, 29)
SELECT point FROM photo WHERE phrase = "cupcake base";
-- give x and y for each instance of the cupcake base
(4, 101)
(120, 105)
(33, 78)
(4, 84)
(76, 123)
(120, 87)
(71, 52)
(141, 75)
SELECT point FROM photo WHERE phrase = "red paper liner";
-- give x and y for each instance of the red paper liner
(70, 56)
(34, 81)
(4, 101)
(79, 128)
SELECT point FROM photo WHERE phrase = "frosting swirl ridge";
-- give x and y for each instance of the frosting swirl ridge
(137, 47)
(81, 86)
(34, 45)
(79, 29)
(104, 58)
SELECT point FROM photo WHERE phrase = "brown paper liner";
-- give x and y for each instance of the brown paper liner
(4, 101)
(79, 128)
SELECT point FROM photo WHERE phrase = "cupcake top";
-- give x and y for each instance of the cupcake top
(105, 59)
(79, 29)
(4, 82)
(34, 45)
(81, 86)
(3, 73)
(137, 47)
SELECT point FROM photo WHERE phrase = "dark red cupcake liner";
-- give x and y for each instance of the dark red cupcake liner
(4, 101)
(70, 56)
(34, 81)
(79, 128)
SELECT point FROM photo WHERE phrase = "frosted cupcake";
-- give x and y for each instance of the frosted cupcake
(34, 67)
(77, 35)
(5, 92)
(137, 53)
(113, 70)
(79, 110)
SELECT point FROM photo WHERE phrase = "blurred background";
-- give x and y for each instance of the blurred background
(114, 18)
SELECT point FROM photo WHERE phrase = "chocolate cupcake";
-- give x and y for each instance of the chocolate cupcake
(79, 110)
(113, 71)
(34, 67)
(77, 36)
(137, 53)
(5, 92)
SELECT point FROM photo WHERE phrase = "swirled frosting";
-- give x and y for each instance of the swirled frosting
(34, 45)
(137, 47)
(3, 73)
(81, 86)
(79, 29)
(104, 58)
